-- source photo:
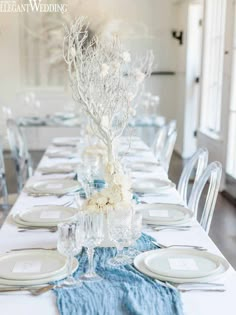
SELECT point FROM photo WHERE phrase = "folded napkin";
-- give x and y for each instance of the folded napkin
(123, 290)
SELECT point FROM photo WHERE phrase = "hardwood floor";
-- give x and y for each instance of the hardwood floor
(223, 229)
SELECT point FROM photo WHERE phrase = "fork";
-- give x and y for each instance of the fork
(34, 291)
(26, 229)
(179, 245)
(31, 248)
(174, 227)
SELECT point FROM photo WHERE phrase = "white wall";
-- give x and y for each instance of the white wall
(9, 62)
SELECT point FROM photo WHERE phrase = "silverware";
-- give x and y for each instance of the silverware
(26, 229)
(196, 283)
(151, 195)
(30, 248)
(66, 204)
(203, 290)
(179, 245)
(33, 290)
(176, 228)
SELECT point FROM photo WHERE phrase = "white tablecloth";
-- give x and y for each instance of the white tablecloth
(194, 303)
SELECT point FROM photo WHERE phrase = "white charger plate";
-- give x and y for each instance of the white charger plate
(151, 185)
(140, 265)
(45, 280)
(47, 214)
(53, 186)
(58, 168)
(194, 263)
(164, 213)
(48, 263)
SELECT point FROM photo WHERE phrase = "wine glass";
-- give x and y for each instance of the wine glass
(91, 163)
(136, 232)
(93, 236)
(119, 230)
(69, 243)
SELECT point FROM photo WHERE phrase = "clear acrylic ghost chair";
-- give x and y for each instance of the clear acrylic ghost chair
(212, 174)
(171, 127)
(159, 141)
(199, 161)
(19, 152)
(6, 200)
(3, 183)
(167, 151)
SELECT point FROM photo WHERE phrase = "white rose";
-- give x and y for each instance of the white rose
(132, 111)
(92, 208)
(115, 198)
(126, 56)
(131, 97)
(115, 65)
(139, 75)
(101, 201)
(104, 70)
(127, 196)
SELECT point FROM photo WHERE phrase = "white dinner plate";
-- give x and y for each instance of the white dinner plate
(144, 167)
(31, 264)
(66, 142)
(64, 115)
(164, 213)
(50, 214)
(53, 186)
(58, 153)
(182, 263)
(140, 265)
(58, 168)
(31, 282)
(151, 185)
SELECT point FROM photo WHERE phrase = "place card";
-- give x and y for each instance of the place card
(50, 215)
(54, 186)
(182, 264)
(27, 266)
(159, 213)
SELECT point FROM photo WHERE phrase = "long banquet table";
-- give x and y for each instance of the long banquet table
(194, 303)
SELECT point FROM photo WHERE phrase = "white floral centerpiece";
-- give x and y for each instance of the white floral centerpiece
(105, 80)
(116, 196)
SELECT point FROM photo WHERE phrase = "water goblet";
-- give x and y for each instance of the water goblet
(69, 243)
(136, 232)
(119, 230)
(93, 236)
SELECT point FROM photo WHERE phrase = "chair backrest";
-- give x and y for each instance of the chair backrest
(168, 150)
(159, 141)
(20, 153)
(198, 160)
(171, 127)
(3, 184)
(212, 174)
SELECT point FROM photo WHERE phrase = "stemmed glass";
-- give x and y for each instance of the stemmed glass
(119, 229)
(136, 232)
(91, 163)
(93, 236)
(69, 243)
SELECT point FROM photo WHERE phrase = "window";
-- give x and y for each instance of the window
(213, 59)
(231, 151)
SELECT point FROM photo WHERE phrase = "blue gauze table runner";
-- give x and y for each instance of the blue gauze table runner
(124, 289)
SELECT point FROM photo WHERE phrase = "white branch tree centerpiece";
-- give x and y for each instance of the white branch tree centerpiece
(105, 81)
